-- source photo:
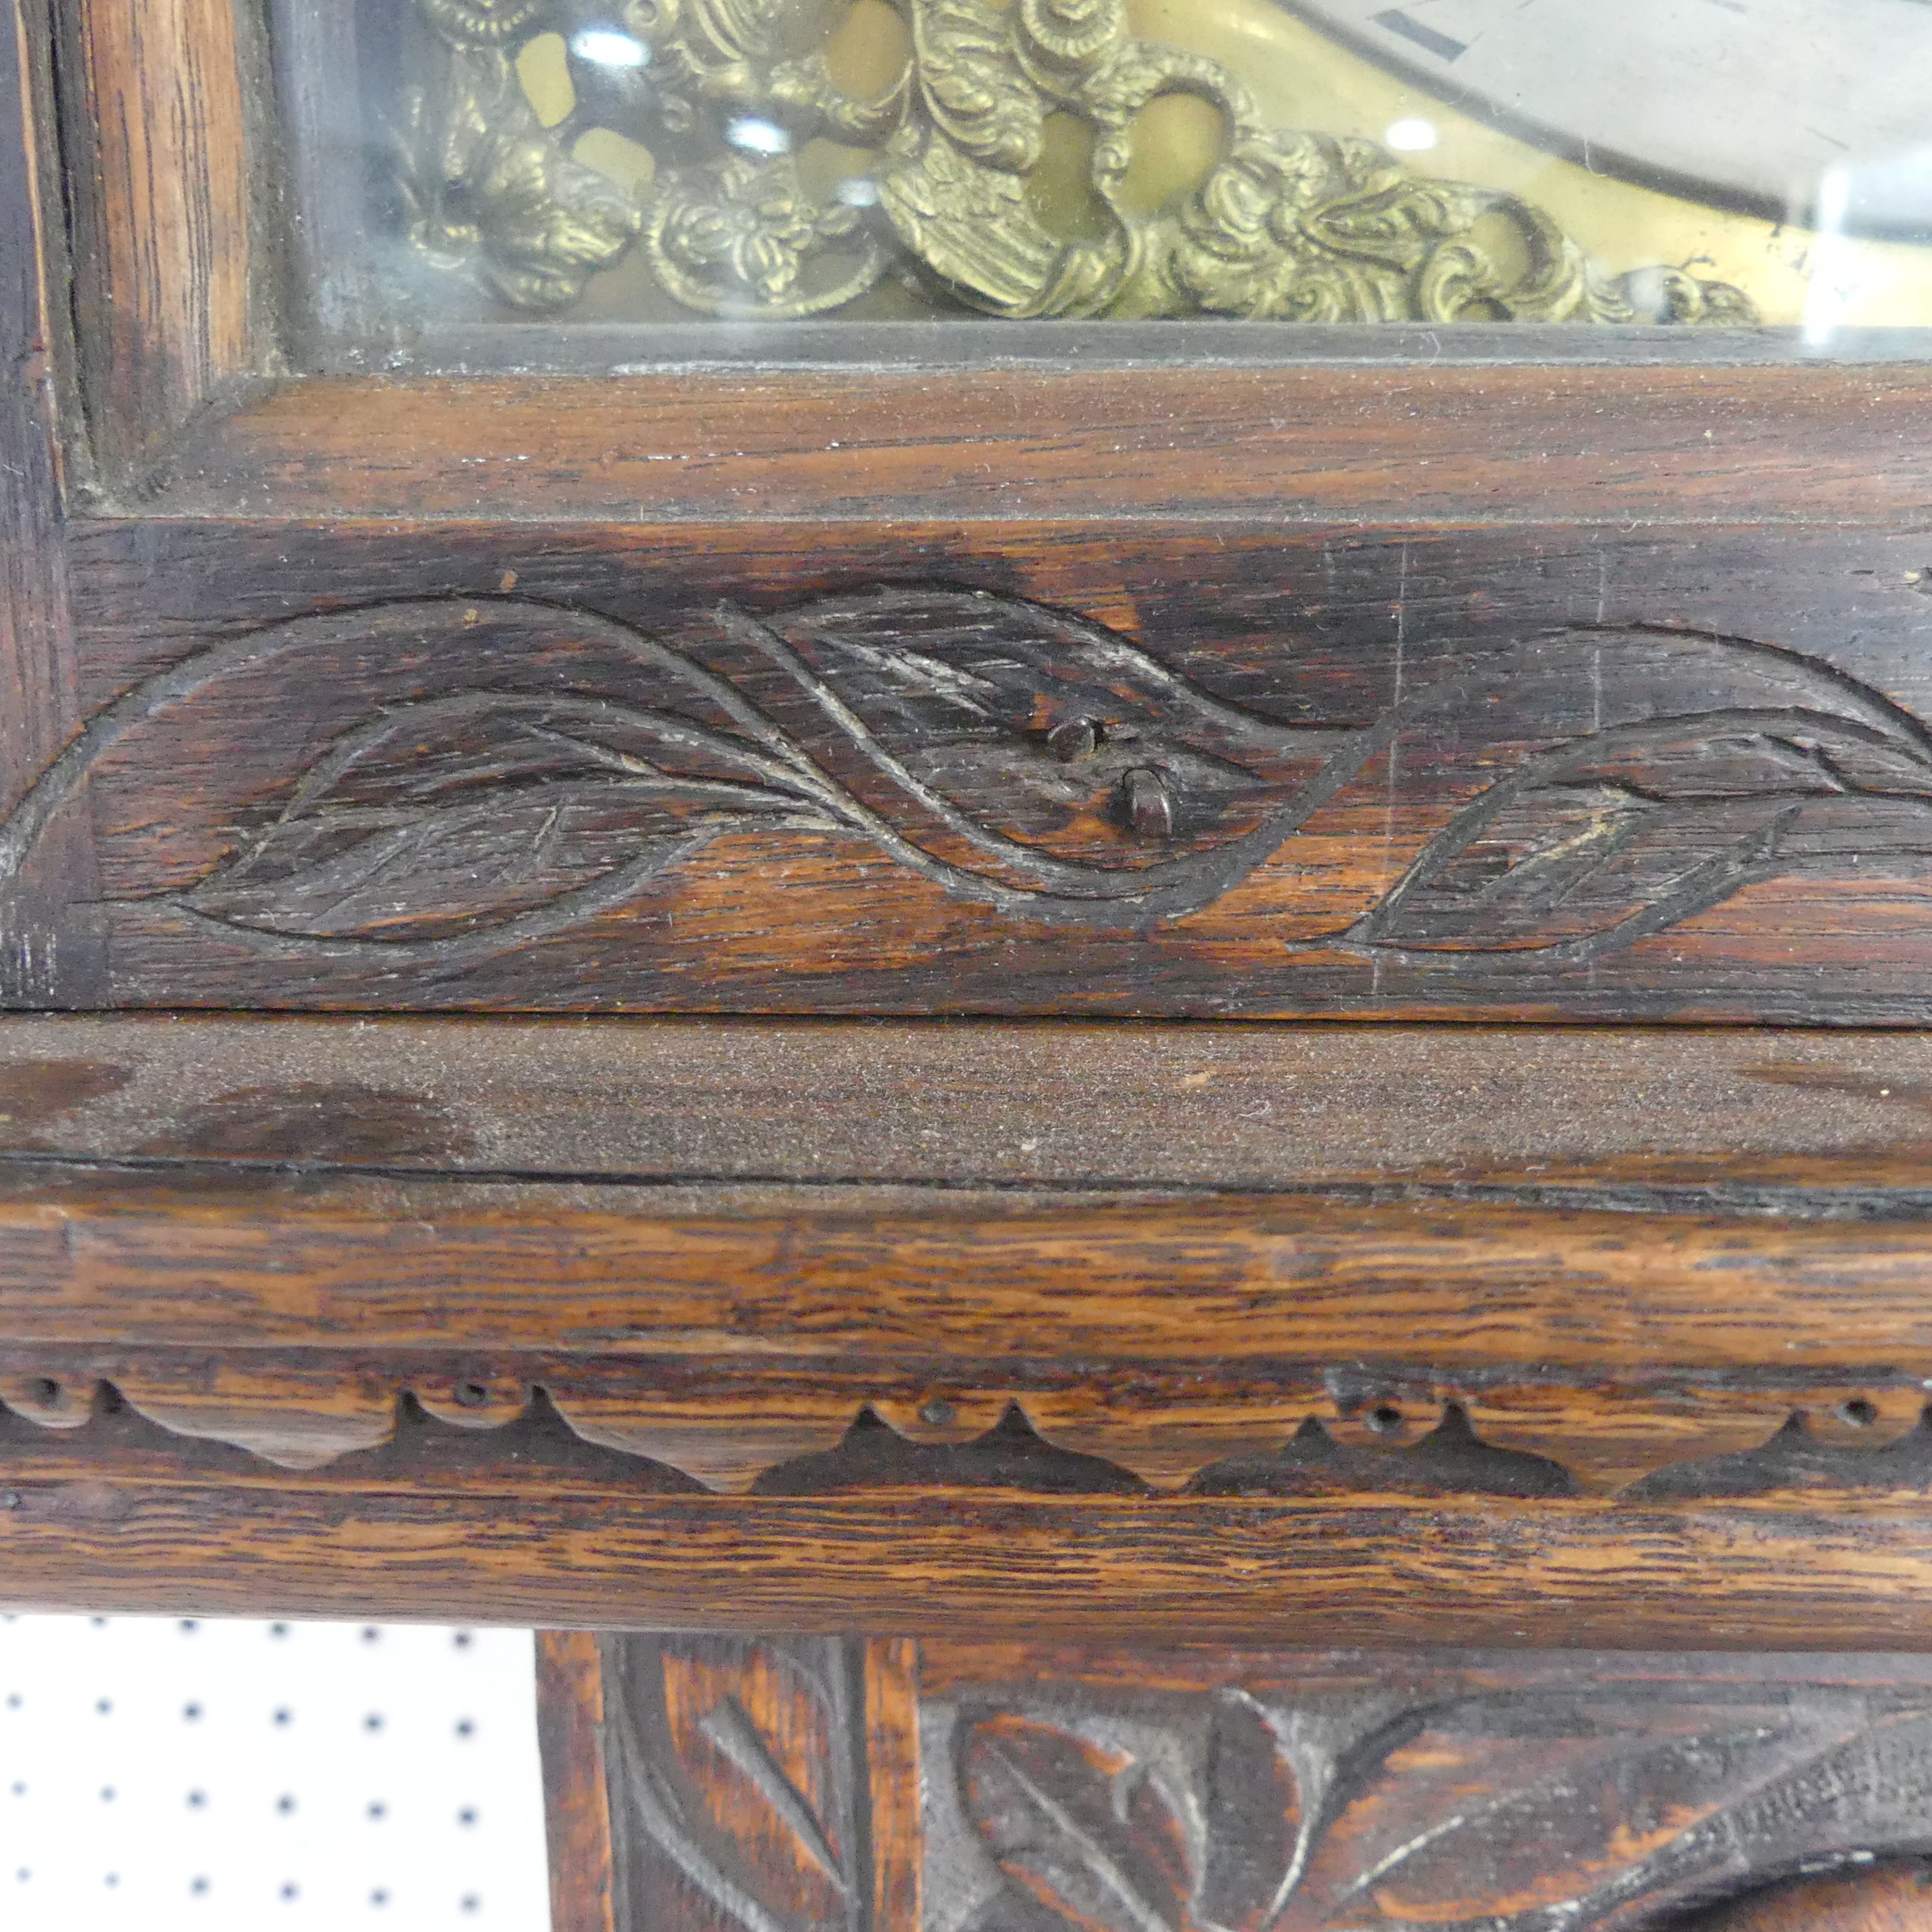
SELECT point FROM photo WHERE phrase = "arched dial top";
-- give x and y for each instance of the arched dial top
(1763, 103)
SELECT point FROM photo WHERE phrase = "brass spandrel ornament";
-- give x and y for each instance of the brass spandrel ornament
(485, 185)
(1001, 169)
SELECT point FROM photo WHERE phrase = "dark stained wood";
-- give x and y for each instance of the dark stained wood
(1563, 1338)
(1385, 1571)
(1096, 1790)
(725, 1336)
(1163, 1254)
(1895, 1898)
(42, 944)
(1338, 444)
(570, 1724)
(738, 1784)
(1422, 1221)
(895, 1784)
(299, 1321)
(1567, 773)
(1815, 1123)
(1588, 689)
(334, 1261)
(1326, 595)
(166, 185)
(1414, 1793)
(1340, 554)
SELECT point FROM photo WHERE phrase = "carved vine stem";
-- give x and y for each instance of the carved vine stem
(459, 801)
(727, 95)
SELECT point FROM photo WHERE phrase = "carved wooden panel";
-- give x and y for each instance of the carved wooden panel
(767, 1786)
(1393, 776)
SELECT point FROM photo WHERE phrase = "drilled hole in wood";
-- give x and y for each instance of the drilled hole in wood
(45, 1390)
(1857, 1412)
(938, 1412)
(1385, 1418)
(471, 1394)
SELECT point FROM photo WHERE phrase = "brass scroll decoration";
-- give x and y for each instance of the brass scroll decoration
(726, 95)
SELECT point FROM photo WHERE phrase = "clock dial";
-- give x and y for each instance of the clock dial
(1760, 103)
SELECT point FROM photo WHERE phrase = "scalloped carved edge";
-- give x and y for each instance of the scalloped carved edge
(729, 1433)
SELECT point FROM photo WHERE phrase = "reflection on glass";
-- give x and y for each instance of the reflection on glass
(1683, 161)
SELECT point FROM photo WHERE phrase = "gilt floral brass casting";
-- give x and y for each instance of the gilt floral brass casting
(725, 95)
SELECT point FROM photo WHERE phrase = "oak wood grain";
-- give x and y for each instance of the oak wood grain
(570, 1725)
(340, 1263)
(41, 945)
(1099, 1788)
(1718, 876)
(1627, 1790)
(1290, 443)
(165, 179)
(289, 1268)
(895, 1784)
(1394, 511)
(1819, 1122)
(1541, 1575)
(1895, 1898)
(1252, 1262)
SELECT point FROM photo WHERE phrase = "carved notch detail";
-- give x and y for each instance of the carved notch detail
(1394, 1436)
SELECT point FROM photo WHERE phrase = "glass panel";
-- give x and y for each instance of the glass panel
(650, 161)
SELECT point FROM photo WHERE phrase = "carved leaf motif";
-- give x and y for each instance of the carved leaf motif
(1564, 867)
(1081, 1824)
(1254, 1802)
(1527, 1817)
(458, 779)
(448, 815)
(1551, 1810)
(1623, 833)
(758, 1745)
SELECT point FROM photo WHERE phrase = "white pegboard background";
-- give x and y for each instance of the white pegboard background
(161, 1774)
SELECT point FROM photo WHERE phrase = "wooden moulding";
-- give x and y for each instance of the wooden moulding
(175, 161)
(1310, 444)
(38, 701)
(761, 1324)
(745, 1783)
(167, 177)
(570, 1719)
(1168, 1341)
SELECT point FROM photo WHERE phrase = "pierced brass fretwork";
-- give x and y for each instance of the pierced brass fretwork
(727, 96)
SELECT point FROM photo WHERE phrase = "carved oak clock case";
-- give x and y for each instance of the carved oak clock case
(1070, 863)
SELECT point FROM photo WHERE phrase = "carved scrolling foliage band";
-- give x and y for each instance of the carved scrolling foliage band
(443, 780)
(1544, 1811)
(738, 1772)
